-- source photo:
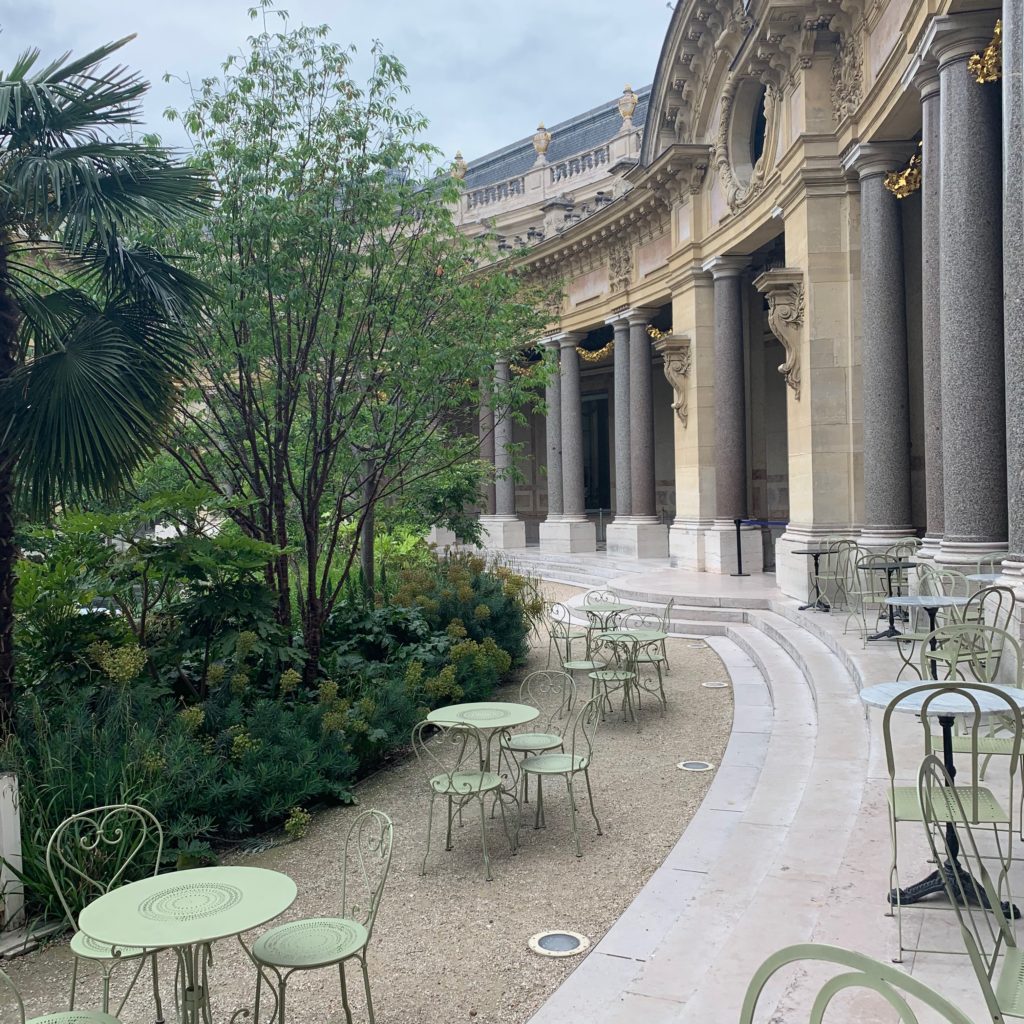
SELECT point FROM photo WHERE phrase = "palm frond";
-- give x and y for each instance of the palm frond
(83, 417)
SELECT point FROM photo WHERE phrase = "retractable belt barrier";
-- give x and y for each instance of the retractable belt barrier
(739, 547)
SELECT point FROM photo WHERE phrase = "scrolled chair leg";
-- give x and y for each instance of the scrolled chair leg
(366, 987)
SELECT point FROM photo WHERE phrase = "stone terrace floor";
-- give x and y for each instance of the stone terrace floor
(791, 843)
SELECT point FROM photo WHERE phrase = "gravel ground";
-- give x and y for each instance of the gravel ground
(450, 946)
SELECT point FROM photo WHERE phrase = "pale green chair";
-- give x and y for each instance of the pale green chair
(68, 1017)
(837, 573)
(562, 634)
(616, 671)
(452, 758)
(985, 808)
(312, 943)
(988, 936)
(569, 764)
(553, 694)
(666, 627)
(859, 972)
(89, 854)
(649, 655)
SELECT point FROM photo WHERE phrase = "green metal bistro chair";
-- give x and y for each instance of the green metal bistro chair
(648, 655)
(984, 807)
(977, 902)
(990, 606)
(69, 1017)
(990, 561)
(553, 694)
(868, 590)
(89, 854)
(452, 757)
(860, 972)
(569, 765)
(562, 634)
(837, 573)
(666, 627)
(935, 582)
(619, 672)
(311, 943)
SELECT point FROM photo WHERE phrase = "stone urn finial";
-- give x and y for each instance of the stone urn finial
(459, 165)
(541, 141)
(627, 105)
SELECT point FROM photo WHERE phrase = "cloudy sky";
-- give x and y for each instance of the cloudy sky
(483, 71)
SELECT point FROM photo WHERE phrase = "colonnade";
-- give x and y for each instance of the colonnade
(636, 529)
(965, 383)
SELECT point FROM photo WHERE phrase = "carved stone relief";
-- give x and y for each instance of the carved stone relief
(784, 290)
(847, 75)
(675, 351)
(738, 192)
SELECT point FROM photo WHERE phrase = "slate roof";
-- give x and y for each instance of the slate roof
(577, 135)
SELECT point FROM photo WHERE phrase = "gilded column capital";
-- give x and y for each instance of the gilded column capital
(957, 37)
(784, 290)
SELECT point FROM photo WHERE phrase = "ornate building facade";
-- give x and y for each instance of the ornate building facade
(792, 291)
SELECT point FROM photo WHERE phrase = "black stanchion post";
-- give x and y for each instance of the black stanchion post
(739, 551)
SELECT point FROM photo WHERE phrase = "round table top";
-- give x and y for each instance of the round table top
(927, 601)
(606, 606)
(811, 551)
(985, 577)
(881, 695)
(183, 908)
(644, 636)
(485, 715)
(890, 564)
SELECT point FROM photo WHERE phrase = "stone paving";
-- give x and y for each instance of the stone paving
(791, 843)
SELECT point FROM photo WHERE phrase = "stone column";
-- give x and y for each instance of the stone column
(623, 481)
(487, 443)
(730, 424)
(884, 364)
(551, 530)
(1013, 273)
(971, 295)
(927, 82)
(503, 529)
(572, 531)
(640, 534)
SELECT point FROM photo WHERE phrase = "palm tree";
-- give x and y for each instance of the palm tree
(93, 322)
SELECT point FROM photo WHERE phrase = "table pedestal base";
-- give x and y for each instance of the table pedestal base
(886, 634)
(974, 891)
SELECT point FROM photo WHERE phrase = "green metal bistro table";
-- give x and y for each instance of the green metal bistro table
(641, 636)
(187, 911)
(489, 716)
(599, 612)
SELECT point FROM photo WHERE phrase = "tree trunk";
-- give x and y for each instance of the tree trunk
(9, 317)
(366, 547)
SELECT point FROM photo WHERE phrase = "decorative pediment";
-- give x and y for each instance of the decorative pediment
(675, 353)
(784, 290)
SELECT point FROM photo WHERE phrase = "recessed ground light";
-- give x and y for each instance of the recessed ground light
(715, 684)
(695, 766)
(559, 943)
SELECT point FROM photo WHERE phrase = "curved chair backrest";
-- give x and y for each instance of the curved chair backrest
(903, 549)
(990, 606)
(873, 575)
(640, 620)
(558, 618)
(973, 720)
(971, 651)
(583, 731)
(861, 972)
(366, 865)
(447, 751)
(552, 693)
(599, 597)
(6, 983)
(666, 618)
(97, 850)
(618, 651)
(974, 897)
(945, 581)
(991, 561)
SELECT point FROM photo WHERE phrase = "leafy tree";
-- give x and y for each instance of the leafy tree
(353, 324)
(93, 337)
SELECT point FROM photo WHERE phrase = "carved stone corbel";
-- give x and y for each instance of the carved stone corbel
(675, 351)
(784, 290)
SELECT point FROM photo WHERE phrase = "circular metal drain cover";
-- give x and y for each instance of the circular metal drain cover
(695, 766)
(714, 685)
(559, 943)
